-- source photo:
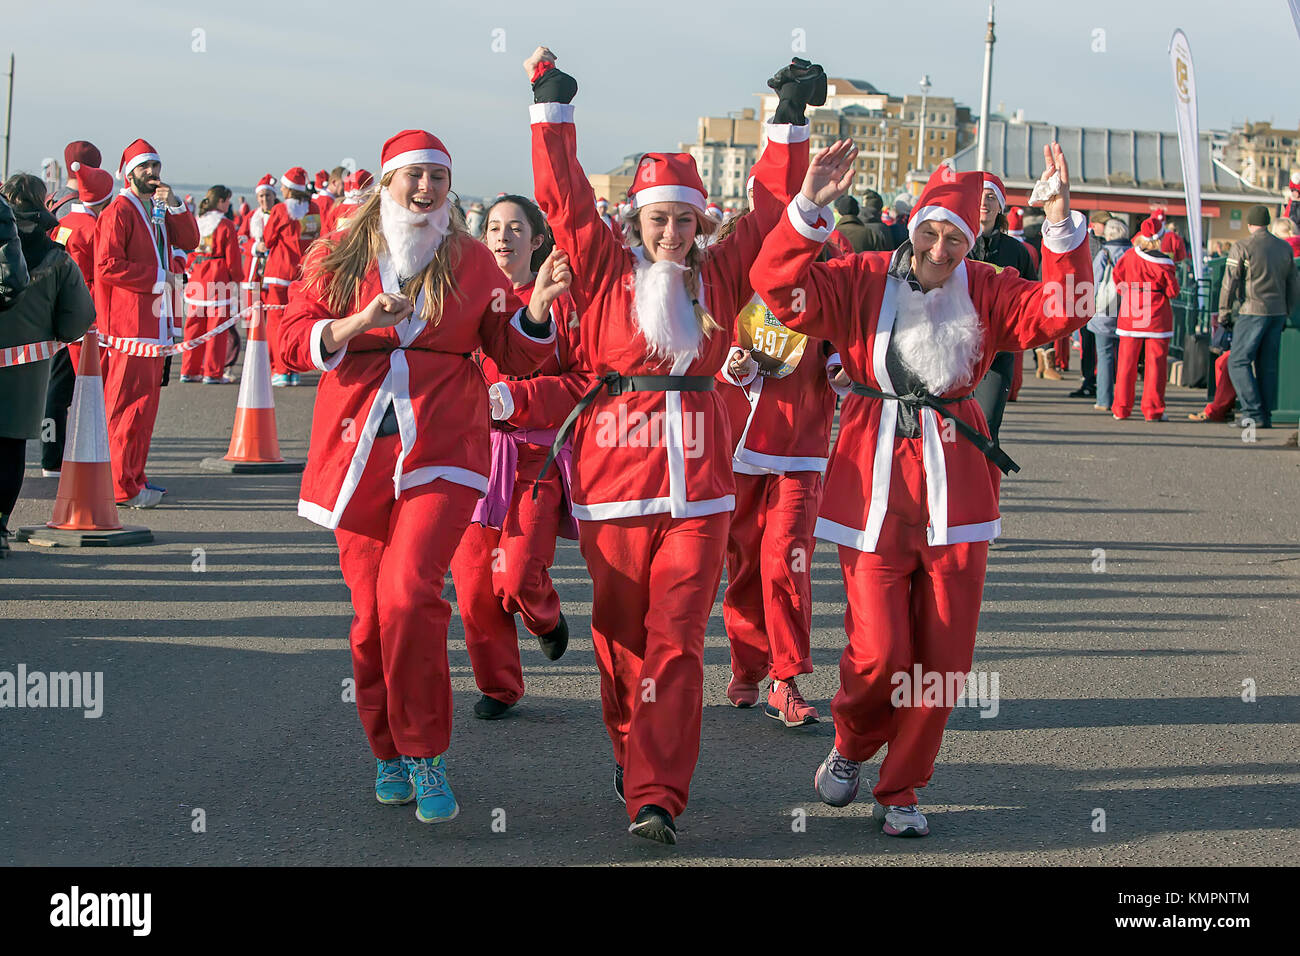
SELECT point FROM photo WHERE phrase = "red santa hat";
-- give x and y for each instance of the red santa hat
(1151, 226)
(266, 184)
(93, 185)
(602, 202)
(362, 179)
(134, 155)
(713, 211)
(992, 182)
(322, 179)
(1016, 221)
(412, 146)
(80, 153)
(295, 178)
(667, 177)
(1295, 180)
(952, 197)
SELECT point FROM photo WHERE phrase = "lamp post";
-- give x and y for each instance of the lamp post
(880, 176)
(920, 143)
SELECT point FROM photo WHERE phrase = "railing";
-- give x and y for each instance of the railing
(1196, 302)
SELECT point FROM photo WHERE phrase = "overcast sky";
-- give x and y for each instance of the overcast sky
(308, 84)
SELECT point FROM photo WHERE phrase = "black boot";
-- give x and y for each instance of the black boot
(654, 823)
(489, 708)
(555, 641)
(618, 783)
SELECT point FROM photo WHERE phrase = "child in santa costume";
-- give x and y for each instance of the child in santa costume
(781, 406)
(502, 565)
(1146, 280)
(391, 312)
(133, 300)
(292, 226)
(652, 485)
(212, 293)
(912, 488)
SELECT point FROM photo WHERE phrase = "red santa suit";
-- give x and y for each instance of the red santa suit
(133, 300)
(913, 515)
(398, 503)
(286, 239)
(212, 293)
(652, 484)
(502, 566)
(76, 232)
(1145, 281)
(781, 427)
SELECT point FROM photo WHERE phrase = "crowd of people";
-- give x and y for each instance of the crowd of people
(657, 381)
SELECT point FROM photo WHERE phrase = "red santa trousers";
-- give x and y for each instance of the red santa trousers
(208, 359)
(767, 607)
(274, 299)
(394, 555)
(1017, 376)
(654, 580)
(500, 572)
(1224, 394)
(909, 603)
(1154, 376)
(131, 392)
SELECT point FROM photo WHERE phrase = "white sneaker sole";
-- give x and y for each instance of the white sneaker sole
(454, 814)
(822, 796)
(776, 714)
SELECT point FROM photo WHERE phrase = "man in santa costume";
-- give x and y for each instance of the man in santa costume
(393, 335)
(653, 489)
(1146, 281)
(135, 243)
(291, 228)
(912, 488)
(354, 188)
(77, 155)
(76, 233)
(250, 230)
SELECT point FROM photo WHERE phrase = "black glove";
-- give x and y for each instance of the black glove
(799, 85)
(554, 86)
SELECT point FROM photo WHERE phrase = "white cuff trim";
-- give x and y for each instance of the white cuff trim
(501, 391)
(832, 361)
(788, 133)
(520, 329)
(318, 351)
(804, 216)
(551, 113)
(1066, 235)
(726, 369)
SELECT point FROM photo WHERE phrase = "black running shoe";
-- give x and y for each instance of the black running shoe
(555, 641)
(1085, 391)
(489, 708)
(654, 823)
(618, 783)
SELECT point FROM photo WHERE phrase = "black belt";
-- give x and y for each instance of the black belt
(617, 384)
(990, 449)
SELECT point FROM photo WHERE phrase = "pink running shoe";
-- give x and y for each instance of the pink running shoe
(742, 693)
(786, 704)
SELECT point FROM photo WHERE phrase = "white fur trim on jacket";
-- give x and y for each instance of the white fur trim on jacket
(550, 113)
(1066, 235)
(810, 221)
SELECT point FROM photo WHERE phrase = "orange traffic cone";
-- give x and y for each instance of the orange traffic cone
(254, 444)
(85, 512)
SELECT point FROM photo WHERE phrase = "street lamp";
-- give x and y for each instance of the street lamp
(880, 176)
(920, 145)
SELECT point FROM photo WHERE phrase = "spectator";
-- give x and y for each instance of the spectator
(1261, 274)
(850, 234)
(1293, 200)
(54, 305)
(13, 267)
(1103, 323)
(902, 211)
(1287, 231)
(1096, 227)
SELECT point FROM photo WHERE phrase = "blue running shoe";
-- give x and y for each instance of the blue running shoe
(393, 782)
(160, 488)
(434, 801)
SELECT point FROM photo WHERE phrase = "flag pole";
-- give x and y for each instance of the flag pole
(9, 113)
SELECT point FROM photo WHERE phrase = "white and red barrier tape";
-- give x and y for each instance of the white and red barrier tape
(40, 351)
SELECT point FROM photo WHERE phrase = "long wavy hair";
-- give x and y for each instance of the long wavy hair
(695, 259)
(343, 268)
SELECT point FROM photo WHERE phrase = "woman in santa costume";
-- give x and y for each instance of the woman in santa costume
(1146, 280)
(354, 194)
(250, 230)
(912, 489)
(212, 293)
(391, 312)
(652, 485)
(292, 226)
(502, 565)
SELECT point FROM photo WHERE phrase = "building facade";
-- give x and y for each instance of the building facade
(1263, 156)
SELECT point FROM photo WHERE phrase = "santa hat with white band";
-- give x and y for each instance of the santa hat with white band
(412, 146)
(266, 183)
(994, 184)
(136, 154)
(295, 178)
(667, 177)
(93, 185)
(952, 197)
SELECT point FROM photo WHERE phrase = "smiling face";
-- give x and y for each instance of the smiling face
(937, 249)
(510, 238)
(265, 200)
(420, 187)
(668, 230)
(989, 209)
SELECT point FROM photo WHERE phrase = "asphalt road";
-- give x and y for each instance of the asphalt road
(1120, 689)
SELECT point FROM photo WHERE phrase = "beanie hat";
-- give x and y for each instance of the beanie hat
(83, 153)
(1258, 216)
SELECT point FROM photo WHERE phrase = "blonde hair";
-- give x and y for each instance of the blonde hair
(1282, 228)
(343, 268)
(695, 259)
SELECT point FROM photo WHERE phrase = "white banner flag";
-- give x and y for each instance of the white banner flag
(1189, 143)
(1295, 14)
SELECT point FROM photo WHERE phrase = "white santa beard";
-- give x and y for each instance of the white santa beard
(938, 335)
(663, 310)
(412, 238)
(208, 222)
(296, 208)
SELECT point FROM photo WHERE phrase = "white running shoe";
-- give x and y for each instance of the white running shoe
(46, 473)
(836, 780)
(905, 821)
(146, 498)
(279, 381)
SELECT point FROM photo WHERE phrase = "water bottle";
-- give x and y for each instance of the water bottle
(159, 212)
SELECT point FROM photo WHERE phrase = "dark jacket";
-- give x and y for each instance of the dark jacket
(13, 267)
(1261, 272)
(55, 306)
(1000, 249)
